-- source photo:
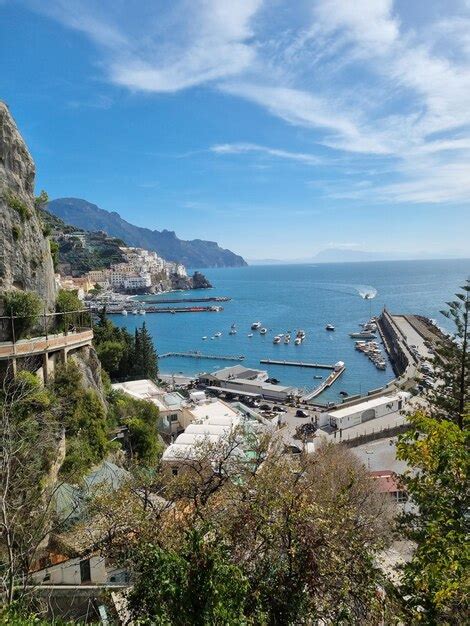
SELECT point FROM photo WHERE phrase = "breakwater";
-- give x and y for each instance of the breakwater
(333, 377)
(199, 355)
(320, 366)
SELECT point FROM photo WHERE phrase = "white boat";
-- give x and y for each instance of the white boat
(232, 331)
(287, 339)
(142, 312)
(134, 312)
(263, 331)
(256, 326)
(124, 312)
(277, 339)
(219, 334)
(204, 338)
(329, 327)
(301, 335)
(233, 325)
(297, 341)
(250, 334)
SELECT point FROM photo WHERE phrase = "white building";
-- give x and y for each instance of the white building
(242, 380)
(217, 429)
(355, 414)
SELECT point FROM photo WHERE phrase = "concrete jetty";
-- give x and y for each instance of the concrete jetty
(320, 366)
(325, 384)
(199, 355)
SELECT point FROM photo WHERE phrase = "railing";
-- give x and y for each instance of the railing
(14, 328)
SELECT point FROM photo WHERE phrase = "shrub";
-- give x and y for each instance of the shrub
(15, 203)
(41, 200)
(25, 306)
(16, 232)
(54, 248)
(68, 302)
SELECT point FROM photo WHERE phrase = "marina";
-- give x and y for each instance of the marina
(333, 377)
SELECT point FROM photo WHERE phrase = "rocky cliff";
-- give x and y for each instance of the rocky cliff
(25, 258)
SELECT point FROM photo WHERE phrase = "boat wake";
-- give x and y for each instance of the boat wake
(366, 291)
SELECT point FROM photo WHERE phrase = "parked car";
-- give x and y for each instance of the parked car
(300, 413)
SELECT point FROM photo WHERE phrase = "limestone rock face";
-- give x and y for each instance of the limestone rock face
(25, 258)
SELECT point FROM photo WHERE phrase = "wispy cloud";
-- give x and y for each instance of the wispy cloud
(362, 78)
(243, 148)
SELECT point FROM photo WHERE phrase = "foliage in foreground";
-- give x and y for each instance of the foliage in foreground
(436, 582)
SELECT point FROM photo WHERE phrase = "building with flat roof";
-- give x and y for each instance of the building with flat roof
(355, 414)
(217, 429)
(242, 380)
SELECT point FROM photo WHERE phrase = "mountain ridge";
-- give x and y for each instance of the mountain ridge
(191, 253)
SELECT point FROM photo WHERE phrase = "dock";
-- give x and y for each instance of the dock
(325, 384)
(319, 366)
(199, 355)
(176, 301)
(155, 309)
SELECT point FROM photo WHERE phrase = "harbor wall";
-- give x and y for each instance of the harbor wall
(393, 342)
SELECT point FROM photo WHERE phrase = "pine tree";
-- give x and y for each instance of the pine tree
(146, 362)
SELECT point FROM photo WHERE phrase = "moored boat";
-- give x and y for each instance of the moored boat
(256, 326)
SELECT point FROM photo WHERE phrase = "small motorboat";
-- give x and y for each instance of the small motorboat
(263, 331)
(134, 312)
(204, 338)
(286, 339)
(256, 326)
(318, 377)
(233, 325)
(297, 341)
(250, 334)
(343, 393)
(329, 327)
(232, 331)
(142, 312)
(124, 312)
(277, 339)
(219, 334)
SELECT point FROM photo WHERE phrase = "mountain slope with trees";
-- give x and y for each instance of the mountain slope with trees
(194, 253)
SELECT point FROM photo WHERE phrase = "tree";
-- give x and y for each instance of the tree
(451, 391)
(197, 584)
(67, 303)
(25, 307)
(145, 355)
(435, 448)
(30, 435)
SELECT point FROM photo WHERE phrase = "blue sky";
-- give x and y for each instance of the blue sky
(277, 128)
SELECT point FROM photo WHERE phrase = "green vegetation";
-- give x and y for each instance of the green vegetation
(15, 203)
(16, 232)
(436, 447)
(123, 356)
(25, 306)
(54, 248)
(68, 302)
(41, 200)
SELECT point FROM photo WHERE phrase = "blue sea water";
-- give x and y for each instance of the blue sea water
(289, 297)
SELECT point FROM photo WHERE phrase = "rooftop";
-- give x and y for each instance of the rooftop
(148, 390)
(367, 404)
(239, 371)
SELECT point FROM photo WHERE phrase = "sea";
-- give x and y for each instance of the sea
(291, 297)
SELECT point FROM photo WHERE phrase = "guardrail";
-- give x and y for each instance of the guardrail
(14, 328)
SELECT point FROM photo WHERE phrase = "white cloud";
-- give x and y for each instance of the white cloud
(360, 77)
(243, 148)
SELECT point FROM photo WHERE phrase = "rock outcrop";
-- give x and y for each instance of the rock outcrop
(25, 258)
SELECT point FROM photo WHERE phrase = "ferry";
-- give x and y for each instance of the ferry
(329, 327)
(256, 326)
(277, 339)
(263, 331)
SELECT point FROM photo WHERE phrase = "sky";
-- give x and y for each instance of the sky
(276, 128)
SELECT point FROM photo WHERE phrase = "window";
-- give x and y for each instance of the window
(174, 417)
(401, 496)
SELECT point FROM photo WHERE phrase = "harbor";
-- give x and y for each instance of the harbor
(332, 378)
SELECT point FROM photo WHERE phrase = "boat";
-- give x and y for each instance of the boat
(297, 341)
(287, 339)
(233, 325)
(343, 393)
(364, 334)
(277, 339)
(300, 335)
(219, 334)
(250, 334)
(263, 331)
(329, 327)
(232, 331)
(123, 312)
(142, 312)
(134, 312)
(204, 338)
(318, 377)
(256, 326)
